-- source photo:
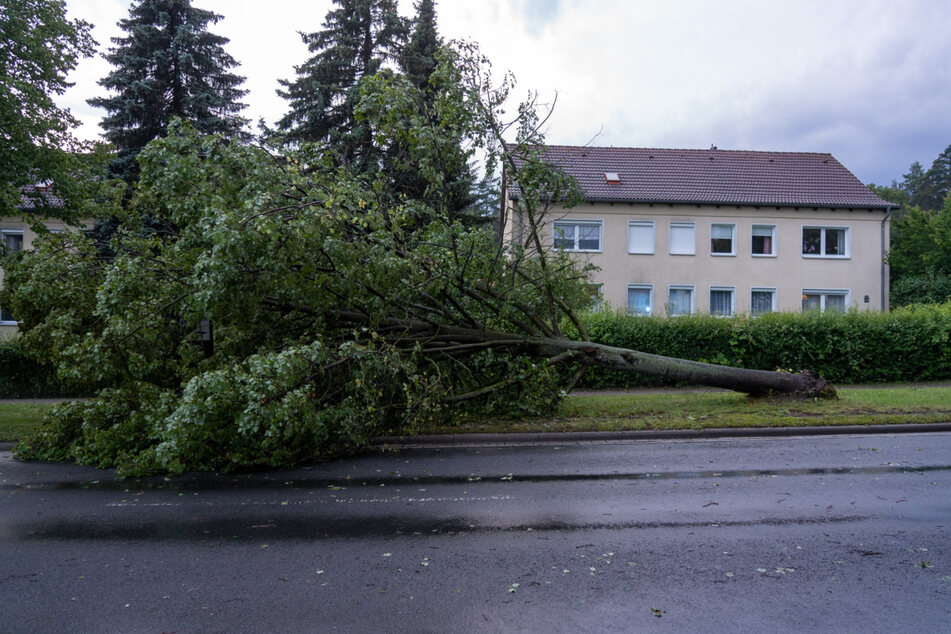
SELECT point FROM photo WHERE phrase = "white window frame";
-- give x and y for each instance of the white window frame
(597, 295)
(13, 232)
(822, 242)
(823, 294)
(732, 226)
(764, 289)
(650, 298)
(649, 224)
(693, 298)
(773, 241)
(577, 224)
(670, 237)
(731, 290)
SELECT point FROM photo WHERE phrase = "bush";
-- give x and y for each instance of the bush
(22, 377)
(908, 344)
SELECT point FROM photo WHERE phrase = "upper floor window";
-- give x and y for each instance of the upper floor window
(825, 242)
(11, 240)
(764, 240)
(640, 237)
(577, 235)
(722, 239)
(683, 238)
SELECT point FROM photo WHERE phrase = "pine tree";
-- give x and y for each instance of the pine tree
(419, 56)
(168, 65)
(358, 38)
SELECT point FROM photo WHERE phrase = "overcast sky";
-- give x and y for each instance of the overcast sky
(868, 80)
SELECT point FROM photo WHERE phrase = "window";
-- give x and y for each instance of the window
(640, 299)
(11, 240)
(721, 300)
(640, 237)
(762, 301)
(825, 242)
(764, 240)
(722, 239)
(577, 235)
(680, 300)
(597, 300)
(823, 300)
(683, 238)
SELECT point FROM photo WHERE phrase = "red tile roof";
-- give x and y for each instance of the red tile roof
(712, 177)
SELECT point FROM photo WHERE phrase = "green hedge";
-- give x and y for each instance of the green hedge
(22, 377)
(908, 344)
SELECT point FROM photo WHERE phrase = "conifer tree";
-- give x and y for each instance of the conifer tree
(167, 65)
(419, 56)
(358, 38)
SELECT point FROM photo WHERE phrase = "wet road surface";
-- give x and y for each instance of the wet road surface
(848, 533)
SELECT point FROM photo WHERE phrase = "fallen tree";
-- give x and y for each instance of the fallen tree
(254, 309)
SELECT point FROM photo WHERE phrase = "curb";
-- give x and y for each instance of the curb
(549, 438)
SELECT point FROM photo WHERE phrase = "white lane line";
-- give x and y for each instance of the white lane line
(427, 500)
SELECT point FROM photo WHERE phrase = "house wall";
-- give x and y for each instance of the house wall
(858, 274)
(16, 226)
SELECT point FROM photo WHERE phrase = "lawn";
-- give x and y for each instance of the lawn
(666, 409)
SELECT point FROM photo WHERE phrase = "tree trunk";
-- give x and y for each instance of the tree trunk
(436, 339)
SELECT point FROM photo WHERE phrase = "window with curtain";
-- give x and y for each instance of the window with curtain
(680, 300)
(762, 301)
(11, 241)
(639, 299)
(764, 238)
(721, 301)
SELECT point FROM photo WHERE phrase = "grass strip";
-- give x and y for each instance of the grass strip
(667, 409)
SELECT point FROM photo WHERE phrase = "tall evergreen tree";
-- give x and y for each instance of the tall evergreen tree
(167, 65)
(359, 36)
(419, 56)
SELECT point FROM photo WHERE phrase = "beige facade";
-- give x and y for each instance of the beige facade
(724, 259)
(16, 234)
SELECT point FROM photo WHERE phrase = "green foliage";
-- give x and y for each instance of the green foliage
(339, 311)
(23, 377)
(910, 344)
(39, 46)
(167, 65)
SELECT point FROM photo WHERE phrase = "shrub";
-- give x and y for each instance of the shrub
(22, 377)
(908, 344)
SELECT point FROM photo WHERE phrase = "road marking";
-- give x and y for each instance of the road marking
(412, 500)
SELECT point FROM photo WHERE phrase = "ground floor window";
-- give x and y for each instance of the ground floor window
(762, 301)
(823, 300)
(640, 299)
(721, 300)
(680, 300)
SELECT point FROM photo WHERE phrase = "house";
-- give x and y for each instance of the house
(717, 231)
(16, 234)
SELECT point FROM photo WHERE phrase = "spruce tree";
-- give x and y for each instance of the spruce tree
(167, 65)
(419, 56)
(359, 36)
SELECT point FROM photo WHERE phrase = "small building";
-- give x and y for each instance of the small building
(718, 231)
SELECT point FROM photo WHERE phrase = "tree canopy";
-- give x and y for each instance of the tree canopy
(167, 65)
(39, 46)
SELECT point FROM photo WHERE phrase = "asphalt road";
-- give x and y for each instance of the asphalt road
(845, 533)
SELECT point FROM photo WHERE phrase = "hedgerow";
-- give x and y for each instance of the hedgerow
(907, 344)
